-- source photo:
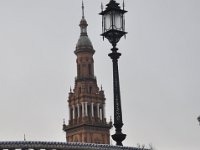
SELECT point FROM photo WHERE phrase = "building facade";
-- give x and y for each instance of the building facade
(87, 119)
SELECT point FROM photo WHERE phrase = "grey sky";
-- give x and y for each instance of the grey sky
(159, 69)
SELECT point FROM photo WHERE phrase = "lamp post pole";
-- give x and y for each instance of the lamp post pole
(113, 27)
(118, 123)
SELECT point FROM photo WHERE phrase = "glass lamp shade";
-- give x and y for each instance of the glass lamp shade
(113, 22)
(107, 22)
(118, 21)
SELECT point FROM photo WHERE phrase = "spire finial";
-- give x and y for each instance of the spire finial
(123, 5)
(101, 6)
(24, 137)
(83, 15)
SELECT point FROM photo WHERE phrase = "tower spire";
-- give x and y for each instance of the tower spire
(83, 24)
(83, 14)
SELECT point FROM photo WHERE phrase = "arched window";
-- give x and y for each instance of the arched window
(90, 90)
(85, 139)
(79, 90)
(79, 69)
(89, 69)
(75, 139)
(97, 141)
(71, 113)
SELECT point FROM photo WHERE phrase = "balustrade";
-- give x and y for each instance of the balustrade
(28, 145)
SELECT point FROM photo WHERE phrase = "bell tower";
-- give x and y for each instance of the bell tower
(86, 102)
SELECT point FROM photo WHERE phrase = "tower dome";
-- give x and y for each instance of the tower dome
(84, 44)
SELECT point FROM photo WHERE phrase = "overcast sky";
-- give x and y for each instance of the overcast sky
(159, 69)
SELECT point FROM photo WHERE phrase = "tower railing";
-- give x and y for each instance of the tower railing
(82, 78)
(89, 120)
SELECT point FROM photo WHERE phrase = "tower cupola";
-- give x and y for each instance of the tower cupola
(84, 44)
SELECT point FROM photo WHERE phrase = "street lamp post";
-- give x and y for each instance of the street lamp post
(113, 28)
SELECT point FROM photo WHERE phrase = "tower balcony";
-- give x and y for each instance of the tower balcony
(88, 78)
(88, 120)
(87, 123)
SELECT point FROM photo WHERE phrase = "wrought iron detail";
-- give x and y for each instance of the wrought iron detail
(118, 123)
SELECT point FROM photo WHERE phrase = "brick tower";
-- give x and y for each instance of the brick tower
(87, 120)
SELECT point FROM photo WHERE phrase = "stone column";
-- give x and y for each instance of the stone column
(73, 109)
(78, 108)
(100, 114)
(92, 109)
(98, 110)
(83, 112)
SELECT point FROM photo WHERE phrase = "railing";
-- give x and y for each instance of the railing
(25, 145)
(85, 78)
(89, 120)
